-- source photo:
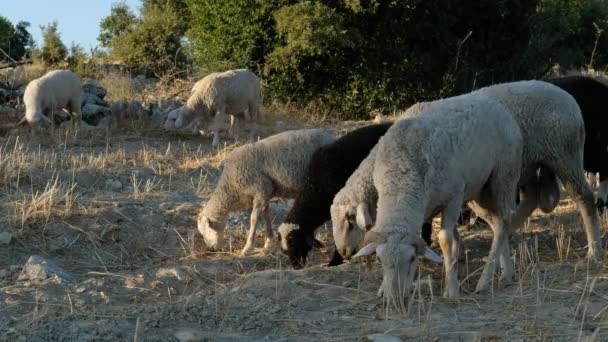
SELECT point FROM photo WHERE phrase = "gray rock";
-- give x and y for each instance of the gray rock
(170, 272)
(38, 268)
(6, 238)
(183, 196)
(113, 185)
(93, 99)
(383, 338)
(92, 88)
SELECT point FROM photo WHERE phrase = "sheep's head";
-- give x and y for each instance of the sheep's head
(349, 223)
(172, 118)
(212, 232)
(398, 260)
(296, 243)
(178, 118)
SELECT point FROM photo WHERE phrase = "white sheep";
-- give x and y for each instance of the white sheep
(255, 173)
(554, 135)
(216, 95)
(56, 90)
(419, 170)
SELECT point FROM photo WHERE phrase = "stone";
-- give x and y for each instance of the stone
(38, 268)
(6, 238)
(383, 338)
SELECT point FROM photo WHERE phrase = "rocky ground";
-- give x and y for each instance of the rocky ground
(98, 243)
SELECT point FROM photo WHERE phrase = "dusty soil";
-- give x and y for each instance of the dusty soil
(117, 209)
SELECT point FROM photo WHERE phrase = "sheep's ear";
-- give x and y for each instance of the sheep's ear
(214, 225)
(364, 219)
(431, 255)
(369, 249)
(426, 252)
(312, 242)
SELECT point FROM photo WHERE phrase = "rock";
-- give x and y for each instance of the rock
(189, 335)
(93, 99)
(6, 238)
(38, 268)
(94, 89)
(170, 272)
(383, 338)
(130, 110)
(3, 274)
(113, 185)
(91, 111)
(183, 196)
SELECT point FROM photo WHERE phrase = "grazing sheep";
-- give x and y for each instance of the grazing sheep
(554, 136)
(255, 173)
(591, 96)
(231, 92)
(419, 170)
(329, 168)
(56, 90)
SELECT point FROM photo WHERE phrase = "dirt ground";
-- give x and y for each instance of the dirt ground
(116, 210)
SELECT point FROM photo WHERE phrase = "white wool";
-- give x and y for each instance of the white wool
(255, 173)
(54, 91)
(233, 92)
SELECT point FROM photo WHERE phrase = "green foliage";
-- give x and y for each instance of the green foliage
(78, 62)
(567, 31)
(153, 45)
(229, 34)
(15, 41)
(53, 50)
(120, 20)
(357, 56)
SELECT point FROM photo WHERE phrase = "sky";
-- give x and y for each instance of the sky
(78, 20)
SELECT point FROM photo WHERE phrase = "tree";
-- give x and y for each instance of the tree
(21, 42)
(236, 33)
(121, 20)
(153, 45)
(6, 32)
(53, 50)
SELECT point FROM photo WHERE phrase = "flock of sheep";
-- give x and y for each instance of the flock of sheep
(500, 150)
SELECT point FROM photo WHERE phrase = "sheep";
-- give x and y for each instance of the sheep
(329, 168)
(231, 92)
(419, 170)
(56, 90)
(255, 173)
(553, 131)
(554, 135)
(590, 95)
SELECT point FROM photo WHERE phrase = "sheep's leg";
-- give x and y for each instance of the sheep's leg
(270, 241)
(528, 202)
(496, 249)
(576, 185)
(450, 246)
(75, 112)
(258, 207)
(232, 123)
(254, 119)
(217, 121)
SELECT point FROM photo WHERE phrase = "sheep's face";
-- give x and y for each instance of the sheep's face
(346, 229)
(296, 243)
(171, 122)
(212, 232)
(399, 261)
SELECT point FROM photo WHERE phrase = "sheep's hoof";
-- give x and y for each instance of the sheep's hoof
(269, 245)
(246, 250)
(451, 293)
(595, 254)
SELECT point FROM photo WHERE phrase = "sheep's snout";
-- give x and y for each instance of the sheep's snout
(212, 232)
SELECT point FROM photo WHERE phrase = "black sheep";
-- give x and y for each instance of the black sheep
(591, 96)
(328, 171)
